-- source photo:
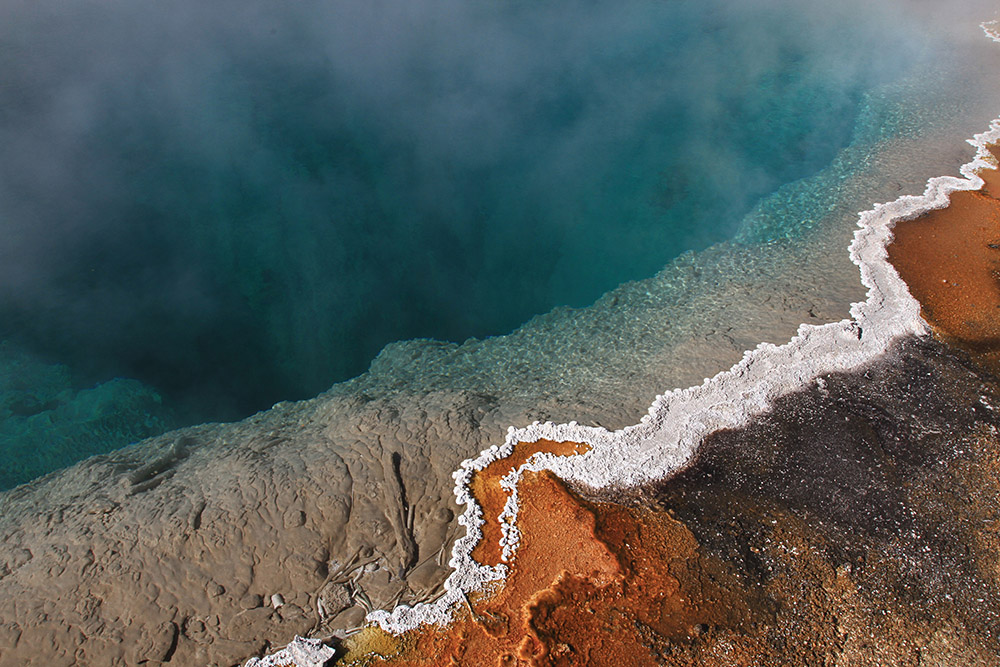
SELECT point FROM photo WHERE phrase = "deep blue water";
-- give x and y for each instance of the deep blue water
(241, 203)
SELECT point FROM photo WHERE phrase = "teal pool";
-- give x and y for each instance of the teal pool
(204, 211)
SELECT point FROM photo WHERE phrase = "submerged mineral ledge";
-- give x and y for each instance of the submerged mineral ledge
(832, 500)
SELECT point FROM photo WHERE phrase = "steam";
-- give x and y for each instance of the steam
(240, 202)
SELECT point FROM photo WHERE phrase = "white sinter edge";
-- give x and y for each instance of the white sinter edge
(992, 29)
(667, 437)
(300, 652)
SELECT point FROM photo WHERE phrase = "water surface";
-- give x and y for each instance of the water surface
(227, 206)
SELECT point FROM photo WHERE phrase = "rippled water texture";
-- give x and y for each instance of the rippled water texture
(241, 203)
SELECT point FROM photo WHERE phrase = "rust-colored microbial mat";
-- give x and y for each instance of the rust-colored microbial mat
(487, 490)
(591, 584)
(950, 260)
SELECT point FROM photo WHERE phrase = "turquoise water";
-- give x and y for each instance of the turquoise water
(204, 211)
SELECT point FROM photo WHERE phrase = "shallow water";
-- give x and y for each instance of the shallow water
(232, 207)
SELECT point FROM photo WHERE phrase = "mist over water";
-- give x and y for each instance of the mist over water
(239, 203)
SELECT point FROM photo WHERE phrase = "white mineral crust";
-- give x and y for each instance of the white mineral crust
(301, 653)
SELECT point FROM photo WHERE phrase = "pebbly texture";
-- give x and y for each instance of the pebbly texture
(868, 507)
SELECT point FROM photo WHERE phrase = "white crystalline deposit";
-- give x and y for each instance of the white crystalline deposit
(301, 653)
(666, 438)
(992, 29)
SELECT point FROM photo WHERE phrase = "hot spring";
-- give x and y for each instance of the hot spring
(205, 209)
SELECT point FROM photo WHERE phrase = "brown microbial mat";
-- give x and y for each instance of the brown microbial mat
(950, 260)
(492, 497)
(591, 584)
